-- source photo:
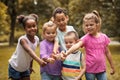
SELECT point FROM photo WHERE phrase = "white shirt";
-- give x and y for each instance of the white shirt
(60, 36)
(20, 60)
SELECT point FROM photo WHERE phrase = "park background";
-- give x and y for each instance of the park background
(10, 30)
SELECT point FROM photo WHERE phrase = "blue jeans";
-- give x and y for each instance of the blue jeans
(16, 74)
(45, 76)
(98, 76)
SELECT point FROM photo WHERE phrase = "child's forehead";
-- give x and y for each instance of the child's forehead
(59, 15)
(70, 37)
(30, 21)
(91, 20)
(50, 28)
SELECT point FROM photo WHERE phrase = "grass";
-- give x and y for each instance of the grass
(6, 52)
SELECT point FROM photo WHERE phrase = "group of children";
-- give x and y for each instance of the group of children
(60, 57)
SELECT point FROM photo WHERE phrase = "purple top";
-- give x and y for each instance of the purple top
(46, 49)
(95, 52)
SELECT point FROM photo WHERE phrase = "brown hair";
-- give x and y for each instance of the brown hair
(48, 24)
(76, 36)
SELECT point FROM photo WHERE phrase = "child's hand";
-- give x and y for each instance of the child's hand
(42, 62)
(51, 60)
(56, 56)
(63, 54)
(112, 71)
(63, 58)
(55, 51)
(31, 71)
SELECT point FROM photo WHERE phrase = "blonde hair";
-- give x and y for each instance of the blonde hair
(93, 15)
(76, 36)
(48, 24)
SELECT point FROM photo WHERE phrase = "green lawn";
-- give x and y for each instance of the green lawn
(6, 52)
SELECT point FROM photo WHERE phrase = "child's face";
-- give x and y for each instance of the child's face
(69, 41)
(50, 33)
(31, 27)
(90, 26)
(61, 20)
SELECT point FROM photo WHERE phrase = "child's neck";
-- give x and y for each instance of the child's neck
(31, 38)
(96, 34)
(63, 30)
(50, 41)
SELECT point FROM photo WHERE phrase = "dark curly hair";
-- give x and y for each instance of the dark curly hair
(22, 18)
(59, 10)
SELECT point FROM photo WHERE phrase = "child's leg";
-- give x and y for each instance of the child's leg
(44, 76)
(26, 78)
(13, 74)
(90, 76)
(101, 76)
(55, 77)
(16, 75)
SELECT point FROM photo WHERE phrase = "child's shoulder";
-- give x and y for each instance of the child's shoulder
(69, 26)
(21, 37)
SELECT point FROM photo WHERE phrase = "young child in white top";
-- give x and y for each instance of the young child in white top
(20, 62)
(60, 18)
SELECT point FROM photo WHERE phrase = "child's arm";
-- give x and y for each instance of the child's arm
(27, 48)
(49, 60)
(74, 48)
(56, 47)
(83, 68)
(109, 58)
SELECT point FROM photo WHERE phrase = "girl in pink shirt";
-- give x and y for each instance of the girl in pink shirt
(96, 48)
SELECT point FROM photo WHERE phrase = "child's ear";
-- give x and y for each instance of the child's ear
(67, 17)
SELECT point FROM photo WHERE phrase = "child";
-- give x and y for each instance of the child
(74, 65)
(96, 47)
(61, 19)
(19, 63)
(52, 71)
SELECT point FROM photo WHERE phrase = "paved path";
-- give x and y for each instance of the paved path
(114, 43)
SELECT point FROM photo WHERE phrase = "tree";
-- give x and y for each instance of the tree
(3, 20)
(12, 5)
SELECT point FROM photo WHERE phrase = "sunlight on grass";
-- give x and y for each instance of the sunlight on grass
(6, 52)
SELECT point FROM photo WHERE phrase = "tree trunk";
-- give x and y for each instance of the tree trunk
(12, 12)
(12, 28)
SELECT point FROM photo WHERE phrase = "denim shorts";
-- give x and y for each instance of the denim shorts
(16, 74)
(94, 76)
(45, 76)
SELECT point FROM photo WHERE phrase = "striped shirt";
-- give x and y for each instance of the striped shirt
(71, 66)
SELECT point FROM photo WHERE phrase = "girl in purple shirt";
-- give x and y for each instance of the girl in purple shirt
(52, 71)
(96, 48)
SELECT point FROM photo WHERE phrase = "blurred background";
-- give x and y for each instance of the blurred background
(10, 30)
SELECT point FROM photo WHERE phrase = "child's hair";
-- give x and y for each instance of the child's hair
(48, 24)
(22, 18)
(93, 15)
(59, 10)
(76, 36)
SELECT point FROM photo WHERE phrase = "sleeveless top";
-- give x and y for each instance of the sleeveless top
(71, 66)
(20, 60)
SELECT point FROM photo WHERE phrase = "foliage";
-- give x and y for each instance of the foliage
(109, 11)
(4, 29)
